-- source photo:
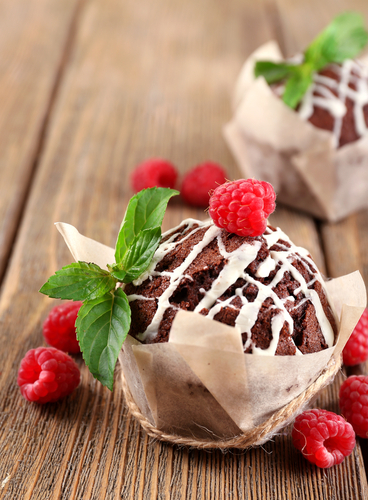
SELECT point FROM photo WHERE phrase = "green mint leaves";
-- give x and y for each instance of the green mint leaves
(138, 256)
(79, 281)
(273, 72)
(297, 85)
(102, 326)
(140, 232)
(342, 39)
(104, 318)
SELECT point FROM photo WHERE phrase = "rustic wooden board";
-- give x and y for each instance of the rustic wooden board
(349, 238)
(299, 22)
(344, 244)
(34, 41)
(144, 79)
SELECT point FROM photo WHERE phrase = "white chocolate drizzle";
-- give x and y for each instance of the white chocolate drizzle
(236, 262)
(322, 94)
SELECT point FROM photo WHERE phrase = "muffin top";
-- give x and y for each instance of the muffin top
(265, 285)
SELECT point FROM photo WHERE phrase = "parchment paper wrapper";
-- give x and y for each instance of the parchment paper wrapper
(201, 384)
(271, 142)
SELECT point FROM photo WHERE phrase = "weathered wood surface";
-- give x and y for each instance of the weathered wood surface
(142, 79)
(34, 42)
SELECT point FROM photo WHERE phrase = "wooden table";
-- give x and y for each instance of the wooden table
(89, 88)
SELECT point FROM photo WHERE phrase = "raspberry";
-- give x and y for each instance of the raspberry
(47, 375)
(154, 172)
(354, 403)
(199, 181)
(356, 348)
(323, 437)
(242, 206)
(59, 327)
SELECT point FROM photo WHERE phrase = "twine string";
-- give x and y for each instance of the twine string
(254, 437)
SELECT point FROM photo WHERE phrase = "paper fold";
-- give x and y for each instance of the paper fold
(85, 249)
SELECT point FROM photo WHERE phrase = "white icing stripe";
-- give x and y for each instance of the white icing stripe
(350, 72)
(235, 264)
(265, 292)
(307, 292)
(166, 247)
(175, 278)
(277, 323)
(135, 296)
(234, 268)
(266, 267)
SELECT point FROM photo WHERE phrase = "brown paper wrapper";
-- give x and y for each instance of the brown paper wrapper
(201, 384)
(272, 143)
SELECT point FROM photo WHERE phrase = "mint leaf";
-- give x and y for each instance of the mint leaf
(272, 72)
(296, 86)
(79, 281)
(145, 211)
(138, 256)
(117, 273)
(342, 39)
(102, 326)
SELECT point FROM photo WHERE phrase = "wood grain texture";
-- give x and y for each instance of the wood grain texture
(34, 40)
(143, 79)
(301, 21)
(344, 244)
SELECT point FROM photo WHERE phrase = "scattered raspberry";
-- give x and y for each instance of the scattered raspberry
(154, 172)
(199, 181)
(354, 403)
(47, 375)
(59, 327)
(323, 437)
(356, 348)
(242, 206)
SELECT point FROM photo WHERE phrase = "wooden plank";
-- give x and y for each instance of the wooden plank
(349, 238)
(145, 79)
(34, 42)
(344, 244)
(299, 22)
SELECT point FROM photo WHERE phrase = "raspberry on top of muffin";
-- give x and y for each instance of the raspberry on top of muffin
(260, 282)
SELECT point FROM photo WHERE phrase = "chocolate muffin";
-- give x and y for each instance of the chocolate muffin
(264, 285)
(338, 101)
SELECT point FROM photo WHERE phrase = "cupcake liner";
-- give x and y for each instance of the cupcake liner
(271, 142)
(202, 387)
(256, 436)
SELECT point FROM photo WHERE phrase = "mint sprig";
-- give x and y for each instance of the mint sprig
(146, 210)
(104, 318)
(140, 232)
(342, 39)
(138, 256)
